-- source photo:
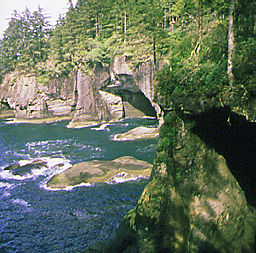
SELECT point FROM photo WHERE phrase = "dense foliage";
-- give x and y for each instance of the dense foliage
(191, 34)
(25, 42)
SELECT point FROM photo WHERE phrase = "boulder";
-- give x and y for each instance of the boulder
(96, 171)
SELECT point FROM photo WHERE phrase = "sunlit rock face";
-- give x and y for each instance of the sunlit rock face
(30, 99)
(90, 108)
(78, 95)
(142, 74)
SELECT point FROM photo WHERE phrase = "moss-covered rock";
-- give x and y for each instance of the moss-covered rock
(193, 202)
(96, 171)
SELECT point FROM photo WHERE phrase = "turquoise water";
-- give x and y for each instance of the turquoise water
(34, 219)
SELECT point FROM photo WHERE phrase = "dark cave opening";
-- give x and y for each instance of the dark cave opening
(124, 86)
(232, 136)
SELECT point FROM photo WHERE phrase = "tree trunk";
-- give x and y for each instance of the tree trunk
(125, 24)
(165, 18)
(70, 4)
(231, 42)
(96, 25)
(154, 51)
(200, 26)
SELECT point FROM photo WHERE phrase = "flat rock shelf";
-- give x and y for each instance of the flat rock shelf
(119, 170)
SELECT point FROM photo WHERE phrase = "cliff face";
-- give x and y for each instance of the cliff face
(201, 197)
(31, 100)
(82, 96)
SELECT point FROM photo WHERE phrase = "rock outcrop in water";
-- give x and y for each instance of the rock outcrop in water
(138, 133)
(88, 98)
(96, 171)
(201, 197)
(24, 170)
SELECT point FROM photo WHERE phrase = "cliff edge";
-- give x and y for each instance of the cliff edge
(87, 97)
(201, 197)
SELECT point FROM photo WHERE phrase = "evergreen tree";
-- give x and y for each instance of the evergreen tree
(192, 34)
(25, 42)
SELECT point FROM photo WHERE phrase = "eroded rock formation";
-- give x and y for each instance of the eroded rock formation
(201, 197)
(31, 100)
(194, 202)
(84, 96)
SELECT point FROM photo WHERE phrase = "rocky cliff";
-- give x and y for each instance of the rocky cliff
(201, 196)
(88, 97)
(31, 100)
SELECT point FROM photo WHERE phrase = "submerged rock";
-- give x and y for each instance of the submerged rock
(16, 169)
(96, 171)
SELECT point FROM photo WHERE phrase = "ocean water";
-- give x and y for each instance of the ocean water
(36, 219)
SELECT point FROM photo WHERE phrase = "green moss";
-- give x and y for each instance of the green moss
(167, 139)
(130, 219)
(43, 79)
(150, 203)
(55, 180)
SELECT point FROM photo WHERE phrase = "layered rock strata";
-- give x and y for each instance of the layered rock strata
(84, 96)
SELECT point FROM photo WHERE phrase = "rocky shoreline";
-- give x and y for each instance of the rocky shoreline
(108, 94)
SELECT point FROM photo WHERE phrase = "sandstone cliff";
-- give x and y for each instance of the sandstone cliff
(84, 96)
(31, 100)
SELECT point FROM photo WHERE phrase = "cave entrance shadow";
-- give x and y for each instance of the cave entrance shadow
(125, 86)
(232, 136)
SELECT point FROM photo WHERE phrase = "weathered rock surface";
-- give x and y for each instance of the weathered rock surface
(143, 75)
(138, 133)
(90, 108)
(114, 104)
(193, 202)
(79, 96)
(31, 100)
(123, 168)
(123, 85)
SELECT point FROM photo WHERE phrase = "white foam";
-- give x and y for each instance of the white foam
(68, 188)
(6, 185)
(6, 174)
(6, 194)
(53, 166)
(115, 138)
(21, 202)
(122, 178)
(102, 127)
